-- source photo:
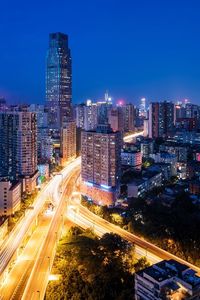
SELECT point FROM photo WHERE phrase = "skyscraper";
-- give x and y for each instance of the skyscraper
(58, 80)
(161, 119)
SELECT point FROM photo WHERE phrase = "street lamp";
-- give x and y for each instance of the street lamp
(38, 292)
(48, 257)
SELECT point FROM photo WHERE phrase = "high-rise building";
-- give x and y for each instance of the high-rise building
(90, 115)
(100, 167)
(115, 119)
(68, 142)
(161, 119)
(58, 80)
(142, 108)
(79, 112)
(126, 117)
(18, 148)
(86, 115)
(44, 145)
(129, 114)
(9, 124)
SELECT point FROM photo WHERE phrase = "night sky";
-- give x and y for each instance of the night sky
(133, 48)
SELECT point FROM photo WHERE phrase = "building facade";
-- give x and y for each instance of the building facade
(161, 119)
(68, 142)
(100, 152)
(58, 80)
(18, 148)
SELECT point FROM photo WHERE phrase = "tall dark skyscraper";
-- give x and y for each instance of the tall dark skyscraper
(161, 119)
(58, 80)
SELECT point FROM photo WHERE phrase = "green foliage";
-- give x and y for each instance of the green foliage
(93, 268)
(27, 200)
(173, 229)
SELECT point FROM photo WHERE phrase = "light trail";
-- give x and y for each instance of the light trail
(130, 137)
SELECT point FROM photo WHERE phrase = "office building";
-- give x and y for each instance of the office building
(100, 167)
(68, 142)
(167, 279)
(58, 80)
(161, 119)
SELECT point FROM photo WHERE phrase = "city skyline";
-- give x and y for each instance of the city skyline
(161, 60)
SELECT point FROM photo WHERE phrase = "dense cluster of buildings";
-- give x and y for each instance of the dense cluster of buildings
(34, 138)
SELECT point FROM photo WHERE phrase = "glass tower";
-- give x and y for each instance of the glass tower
(58, 80)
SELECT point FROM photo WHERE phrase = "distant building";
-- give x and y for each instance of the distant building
(146, 127)
(90, 116)
(194, 187)
(147, 147)
(167, 158)
(58, 80)
(139, 186)
(115, 119)
(86, 115)
(161, 119)
(80, 115)
(44, 146)
(187, 123)
(128, 117)
(100, 167)
(68, 142)
(180, 150)
(165, 168)
(142, 108)
(131, 158)
(3, 106)
(167, 279)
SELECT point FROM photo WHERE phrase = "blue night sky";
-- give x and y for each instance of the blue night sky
(133, 48)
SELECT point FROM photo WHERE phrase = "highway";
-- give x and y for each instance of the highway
(42, 258)
(16, 237)
(38, 280)
(14, 240)
(86, 219)
(12, 243)
(129, 138)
